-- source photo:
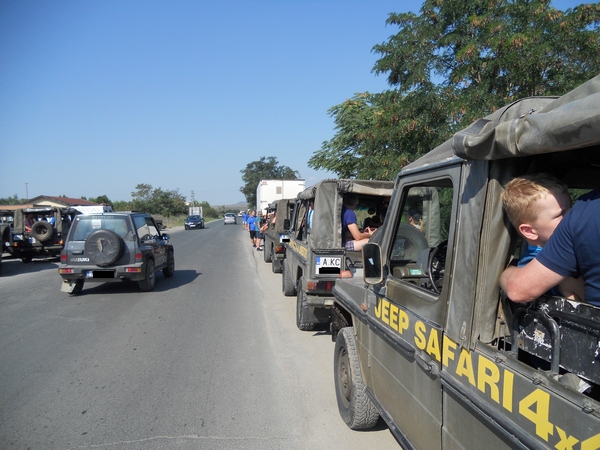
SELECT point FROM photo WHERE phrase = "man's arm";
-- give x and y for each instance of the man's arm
(524, 284)
(356, 234)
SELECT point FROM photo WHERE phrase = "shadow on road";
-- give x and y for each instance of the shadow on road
(181, 278)
(13, 266)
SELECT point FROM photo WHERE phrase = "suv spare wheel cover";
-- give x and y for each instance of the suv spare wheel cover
(42, 230)
(104, 247)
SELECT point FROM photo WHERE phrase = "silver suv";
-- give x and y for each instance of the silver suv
(115, 247)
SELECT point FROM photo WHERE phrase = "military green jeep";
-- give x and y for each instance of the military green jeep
(424, 336)
(315, 257)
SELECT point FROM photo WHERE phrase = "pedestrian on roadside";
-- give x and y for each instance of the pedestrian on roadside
(258, 223)
(251, 228)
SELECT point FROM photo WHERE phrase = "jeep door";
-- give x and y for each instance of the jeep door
(150, 236)
(408, 314)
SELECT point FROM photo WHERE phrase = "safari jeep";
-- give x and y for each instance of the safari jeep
(315, 257)
(424, 336)
(277, 234)
(46, 235)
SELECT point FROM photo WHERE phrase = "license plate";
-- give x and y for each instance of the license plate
(284, 238)
(89, 274)
(327, 262)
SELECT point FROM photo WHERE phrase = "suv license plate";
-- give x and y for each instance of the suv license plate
(326, 262)
(284, 238)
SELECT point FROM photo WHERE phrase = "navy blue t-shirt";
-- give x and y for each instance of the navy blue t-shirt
(574, 248)
(348, 217)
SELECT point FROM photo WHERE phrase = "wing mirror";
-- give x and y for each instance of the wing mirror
(373, 272)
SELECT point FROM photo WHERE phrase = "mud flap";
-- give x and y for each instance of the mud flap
(316, 315)
(68, 286)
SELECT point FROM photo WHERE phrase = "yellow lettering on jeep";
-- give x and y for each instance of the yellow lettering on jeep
(385, 312)
(507, 390)
(433, 345)
(464, 366)
(394, 316)
(403, 321)
(488, 374)
(538, 415)
(420, 340)
(566, 442)
(592, 443)
(448, 350)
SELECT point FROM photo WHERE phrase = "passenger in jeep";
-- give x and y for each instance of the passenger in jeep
(573, 250)
(352, 238)
(535, 205)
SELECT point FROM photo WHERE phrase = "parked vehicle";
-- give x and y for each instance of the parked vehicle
(424, 336)
(229, 218)
(278, 233)
(269, 191)
(314, 255)
(114, 247)
(193, 223)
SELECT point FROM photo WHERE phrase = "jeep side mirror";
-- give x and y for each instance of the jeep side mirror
(372, 273)
(286, 224)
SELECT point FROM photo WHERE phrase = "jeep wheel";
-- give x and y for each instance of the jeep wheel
(42, 231)
(267, 255)
(169, 270)
(289, 289)
(77, 288)
(356, 408)
(26, 259)
(104, 247)
(147, 284)
(275, 265)
(302, 310)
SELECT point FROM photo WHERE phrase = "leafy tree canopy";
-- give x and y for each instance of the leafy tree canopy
(457, 61)
(157, 201)
(266, 168)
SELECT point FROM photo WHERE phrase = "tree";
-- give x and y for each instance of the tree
(101, 199)
(157, 201)
(14, 200)
(266, 168)
(455, 62)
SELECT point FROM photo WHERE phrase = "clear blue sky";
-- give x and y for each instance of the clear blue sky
(99, 96)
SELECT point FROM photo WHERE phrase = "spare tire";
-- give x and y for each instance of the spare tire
(104, 247)
(42, 231)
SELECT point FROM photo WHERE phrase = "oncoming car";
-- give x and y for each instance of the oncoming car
(194, 223)
(114, 247)
(229, 218)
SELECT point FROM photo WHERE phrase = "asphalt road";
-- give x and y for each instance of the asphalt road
(210, 359)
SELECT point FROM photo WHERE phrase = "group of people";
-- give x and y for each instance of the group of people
(257, 225)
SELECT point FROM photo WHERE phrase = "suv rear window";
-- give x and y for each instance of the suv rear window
(85, 225)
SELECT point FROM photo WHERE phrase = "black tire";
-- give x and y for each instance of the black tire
(301, 307)
(169, 270)
(267, 254)
(148, 283)
(42, 231)
(275, 265)
(78, 287)
(104, 247)
(26, 259)
(414, 242)
(289, 288)
(355, 406)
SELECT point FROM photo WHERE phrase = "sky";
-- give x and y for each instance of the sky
(97, 97)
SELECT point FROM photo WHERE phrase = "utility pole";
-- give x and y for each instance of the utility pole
(193, 200)
(27, 194)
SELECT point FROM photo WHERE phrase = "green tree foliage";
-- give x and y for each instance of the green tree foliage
(157, 201)
(14, 200)
(457, 61)
(101, 199)
(266, 168)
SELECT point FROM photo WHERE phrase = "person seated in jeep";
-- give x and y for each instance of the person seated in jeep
(352, 238)
(535, 205)
(571, 251)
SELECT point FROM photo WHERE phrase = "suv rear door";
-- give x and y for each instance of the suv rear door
(149, 235)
